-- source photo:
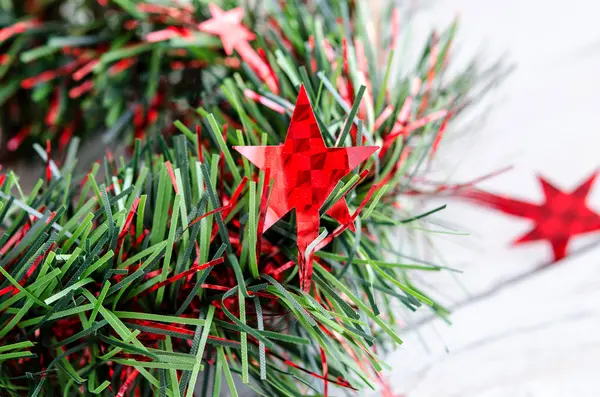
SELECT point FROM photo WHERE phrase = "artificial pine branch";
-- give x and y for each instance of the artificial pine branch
(89, 67)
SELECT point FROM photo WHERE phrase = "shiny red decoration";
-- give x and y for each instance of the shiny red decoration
(561, 217)
(305, 172)
(228, 26)
(235, 36)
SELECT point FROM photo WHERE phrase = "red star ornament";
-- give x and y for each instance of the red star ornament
(235, 36)
(305, 172)
(228, 26)
(560, 218)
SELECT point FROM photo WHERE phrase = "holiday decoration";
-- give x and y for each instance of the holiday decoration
(252, 229)
(557, 220)
(305, 172)
(111, 68)
(228, 26)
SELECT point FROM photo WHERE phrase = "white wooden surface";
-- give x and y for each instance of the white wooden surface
(538, 337)
(535, 338)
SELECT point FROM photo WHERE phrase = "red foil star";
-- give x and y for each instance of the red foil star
(228, 26)
(235, 36)
(305, 172)
(560, 218)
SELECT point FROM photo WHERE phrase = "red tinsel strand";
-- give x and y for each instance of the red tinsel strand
(281, 269)
(433, 55)
(264, 101)
(198, 219)
(172, 176)
(65, 136)
(325, 372)
(167, 34)
(48, 169)
(49, 75)
(456, 188)
(191, 270)
(231, 202)
(130, 379)
(52, 114)
(340, 382)
(128, 220)
(17, 28)
(14, 142)
(85, 69)
(199, 142)
(121, 66)
(440, 134)
(81, 89)
(14, 239)
(260, 67)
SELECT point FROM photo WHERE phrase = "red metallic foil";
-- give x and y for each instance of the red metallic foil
(305, 172)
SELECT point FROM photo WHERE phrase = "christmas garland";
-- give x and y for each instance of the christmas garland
(72, 67)
(261, 240)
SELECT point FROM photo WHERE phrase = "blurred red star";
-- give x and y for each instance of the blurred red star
(228, 26)
(560, 218)
(305, 172)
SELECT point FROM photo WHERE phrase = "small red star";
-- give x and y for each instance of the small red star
(227, 25)
(560, 218)
(305, 172)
